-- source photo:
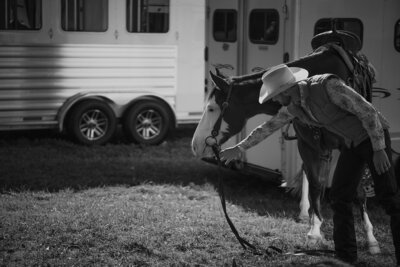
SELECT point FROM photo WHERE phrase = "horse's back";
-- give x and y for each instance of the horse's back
(323, 61)
(318, 62)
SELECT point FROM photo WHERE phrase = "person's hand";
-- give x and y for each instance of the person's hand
(230, 154)
(381, 161)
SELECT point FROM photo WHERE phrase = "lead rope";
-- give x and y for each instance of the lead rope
(243, 242)
(216, 149)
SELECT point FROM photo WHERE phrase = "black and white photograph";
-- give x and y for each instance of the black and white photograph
(200, 133)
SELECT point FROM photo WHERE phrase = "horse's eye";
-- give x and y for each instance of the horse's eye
(210, 109)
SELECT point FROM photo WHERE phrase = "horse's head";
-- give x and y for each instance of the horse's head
(231, 121)
(240, 98)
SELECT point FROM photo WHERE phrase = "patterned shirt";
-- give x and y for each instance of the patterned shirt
(341, 95)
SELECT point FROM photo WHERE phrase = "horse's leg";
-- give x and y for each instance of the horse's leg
(314, 235)
(373, 245)
(304, 201)
(311, 163)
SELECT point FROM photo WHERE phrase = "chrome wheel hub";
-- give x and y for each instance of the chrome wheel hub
(93, 124)
(148, 124)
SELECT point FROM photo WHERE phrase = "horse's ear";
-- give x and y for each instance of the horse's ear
(220, 74)
(219, 82)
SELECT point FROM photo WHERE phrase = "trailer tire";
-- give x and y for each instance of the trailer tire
(92, 122)
(147, 122)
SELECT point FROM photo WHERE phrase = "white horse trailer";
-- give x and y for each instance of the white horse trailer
(88, 65)
(245, 36)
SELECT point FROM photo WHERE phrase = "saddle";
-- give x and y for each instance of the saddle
(347, 45)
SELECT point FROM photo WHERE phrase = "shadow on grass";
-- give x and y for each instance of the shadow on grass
(47, 161)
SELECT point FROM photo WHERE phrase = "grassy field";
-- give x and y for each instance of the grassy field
(62, 204)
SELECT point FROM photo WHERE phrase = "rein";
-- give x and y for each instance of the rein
(212, 142)
(244, 243)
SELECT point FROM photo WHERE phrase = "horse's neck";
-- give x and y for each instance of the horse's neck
(325, 61)
(250, 78)
(248, 86)
(269, 108)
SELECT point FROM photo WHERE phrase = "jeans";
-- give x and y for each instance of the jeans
(346, 178)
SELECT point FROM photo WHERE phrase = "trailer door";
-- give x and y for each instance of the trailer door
(263, 48)
(222, 42)
(222, 35)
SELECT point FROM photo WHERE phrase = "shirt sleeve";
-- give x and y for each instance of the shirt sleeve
(346, 98)
(266, 129)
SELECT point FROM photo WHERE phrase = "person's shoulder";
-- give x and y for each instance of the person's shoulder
(325, 79)
(333, 80)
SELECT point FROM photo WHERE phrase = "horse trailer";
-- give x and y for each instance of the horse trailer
(85, 66)
(245, 36)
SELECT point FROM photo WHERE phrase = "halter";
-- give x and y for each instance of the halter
(217, 126)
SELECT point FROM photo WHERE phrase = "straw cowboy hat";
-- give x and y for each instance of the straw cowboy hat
(278, 79)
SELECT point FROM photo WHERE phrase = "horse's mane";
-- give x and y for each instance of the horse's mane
(246, 87)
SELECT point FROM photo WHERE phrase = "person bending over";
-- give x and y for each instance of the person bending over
(326, 101)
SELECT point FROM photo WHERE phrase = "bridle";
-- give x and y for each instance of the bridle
(211, 140)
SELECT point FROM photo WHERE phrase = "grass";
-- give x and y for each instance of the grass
(63, 204)
(35, 163)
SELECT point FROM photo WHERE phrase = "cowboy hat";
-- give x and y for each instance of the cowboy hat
(278, 79)
(348, 40)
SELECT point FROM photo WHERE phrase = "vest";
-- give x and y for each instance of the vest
(326, 114)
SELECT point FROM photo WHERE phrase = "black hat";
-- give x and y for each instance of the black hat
(346, 39)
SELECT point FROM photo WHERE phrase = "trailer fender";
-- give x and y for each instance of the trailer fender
(62, 113)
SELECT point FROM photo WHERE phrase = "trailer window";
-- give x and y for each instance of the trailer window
(20, 14)
(397, 36)
(84, 15)
(147, 16)
(225, 25)
(347, 24)
(264, 26)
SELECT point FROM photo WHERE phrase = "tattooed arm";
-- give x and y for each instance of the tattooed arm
(258, 134)
(266, 129)
(346, 98)
(349, 100)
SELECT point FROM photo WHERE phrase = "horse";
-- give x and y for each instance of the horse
(238, 98)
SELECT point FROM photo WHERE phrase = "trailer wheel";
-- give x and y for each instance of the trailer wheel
(92, 123)
(147, 123)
